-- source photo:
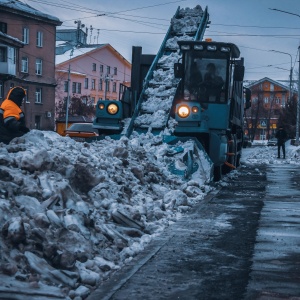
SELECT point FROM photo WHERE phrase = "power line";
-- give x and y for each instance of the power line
(73, 6)
(254, 26)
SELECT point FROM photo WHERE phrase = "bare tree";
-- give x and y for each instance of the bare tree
(254, 114)
(78, 106)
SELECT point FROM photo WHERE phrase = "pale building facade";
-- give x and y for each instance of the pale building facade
(92, 72)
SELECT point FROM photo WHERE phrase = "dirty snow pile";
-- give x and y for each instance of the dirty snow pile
(72, 213)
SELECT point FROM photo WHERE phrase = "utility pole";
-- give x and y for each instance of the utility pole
(291, 71)
(298, 101)
(68, 98)
(107, 79)
(298, 105)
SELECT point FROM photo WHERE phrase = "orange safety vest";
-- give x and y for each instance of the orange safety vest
(11, 110)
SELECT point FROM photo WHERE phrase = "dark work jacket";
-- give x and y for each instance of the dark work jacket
(12, 121)
(281, 136)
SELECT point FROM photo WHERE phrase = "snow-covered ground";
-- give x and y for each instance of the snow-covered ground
(72, 213)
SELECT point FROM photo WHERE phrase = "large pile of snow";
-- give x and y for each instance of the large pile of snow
(71, 213)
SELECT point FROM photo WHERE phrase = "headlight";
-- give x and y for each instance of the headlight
(183, 111)
(101, 106)
(195, 109)
(112, 109)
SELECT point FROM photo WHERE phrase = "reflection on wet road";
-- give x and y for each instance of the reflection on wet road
(276, 262)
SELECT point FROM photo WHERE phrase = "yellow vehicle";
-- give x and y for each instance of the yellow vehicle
(81, 131)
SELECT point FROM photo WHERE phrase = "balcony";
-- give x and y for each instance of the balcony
(7, 68)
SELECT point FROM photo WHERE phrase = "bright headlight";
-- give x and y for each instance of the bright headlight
(101, 106)
(183, 111)
(112, 109)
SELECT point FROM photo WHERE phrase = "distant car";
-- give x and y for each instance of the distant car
(272, 142)
(81, 131)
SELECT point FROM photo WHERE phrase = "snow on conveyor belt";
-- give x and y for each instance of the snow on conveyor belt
(158, 97)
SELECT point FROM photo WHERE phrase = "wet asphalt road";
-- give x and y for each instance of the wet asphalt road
(241, 242)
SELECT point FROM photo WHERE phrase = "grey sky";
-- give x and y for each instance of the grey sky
(250, 24)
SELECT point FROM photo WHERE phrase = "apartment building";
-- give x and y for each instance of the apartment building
(27, 48)
(268, 99)
(88, 71)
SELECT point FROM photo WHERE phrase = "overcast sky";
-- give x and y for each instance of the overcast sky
(250, 24)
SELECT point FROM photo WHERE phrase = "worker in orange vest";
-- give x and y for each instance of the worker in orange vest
(12, 118)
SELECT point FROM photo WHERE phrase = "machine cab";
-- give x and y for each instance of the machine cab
(207, 71)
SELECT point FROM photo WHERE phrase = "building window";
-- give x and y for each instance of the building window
(283, 100)
(108, 69)
(100, 85)
(25, 37)
(3, 27)
(94, 67)
(86, 83)
(24, 67)
(93, 84)
(39, 39)
(271, 87)
(266, 100)
(14, 55)
(114, 86)
(38, 66)
(101, 68)
(254, 100)
(38, 95)
(76, 87)
(3, 54)
(66, 86)
(115, 71)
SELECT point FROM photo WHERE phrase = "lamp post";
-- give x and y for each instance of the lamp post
(298, 102)
(68, 98)
(107, 79)
(291, 71)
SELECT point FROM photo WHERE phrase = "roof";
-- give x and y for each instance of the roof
(25, 9)
(10, 40)
(269, 80)
(81, 51)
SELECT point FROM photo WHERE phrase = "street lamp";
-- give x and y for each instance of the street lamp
(291, 71)
(68, 98)
(298, 102)
(107, 79)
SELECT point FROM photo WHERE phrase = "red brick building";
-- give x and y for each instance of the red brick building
(268, 98)
(35, 61)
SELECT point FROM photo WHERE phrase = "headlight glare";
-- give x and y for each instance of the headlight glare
(112, 109)
(183, 111)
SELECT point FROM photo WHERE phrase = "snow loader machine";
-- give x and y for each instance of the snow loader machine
(190, 94)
